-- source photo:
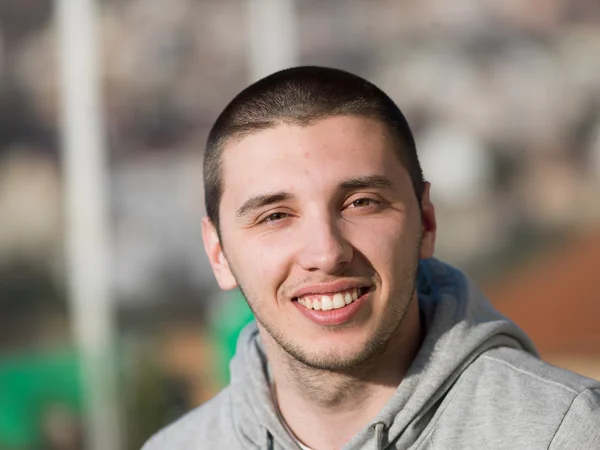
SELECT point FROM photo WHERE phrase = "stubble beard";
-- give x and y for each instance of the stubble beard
(376, 344)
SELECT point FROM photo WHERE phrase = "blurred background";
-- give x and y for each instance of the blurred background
(504, 100)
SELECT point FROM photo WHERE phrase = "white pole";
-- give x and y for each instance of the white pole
(273, 36)
(86, 218)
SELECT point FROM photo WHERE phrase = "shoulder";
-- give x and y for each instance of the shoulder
(575, 398)
(509, 397)
(203, 427)
(581, 424)
(572, 399)
(530, 373)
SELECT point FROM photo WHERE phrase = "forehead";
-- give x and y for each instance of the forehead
(302, 158)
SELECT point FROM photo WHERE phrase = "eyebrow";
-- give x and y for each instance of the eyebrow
(368, 181)
(260, 201)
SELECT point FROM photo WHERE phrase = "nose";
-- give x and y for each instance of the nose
(324, 247)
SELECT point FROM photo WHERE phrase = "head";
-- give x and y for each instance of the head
(301, 96)
(313, 188)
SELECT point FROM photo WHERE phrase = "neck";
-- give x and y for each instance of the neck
(325, 409)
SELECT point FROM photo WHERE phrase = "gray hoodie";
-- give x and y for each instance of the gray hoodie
(476, 383)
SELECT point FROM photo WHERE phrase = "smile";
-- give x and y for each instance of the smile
(326, 302)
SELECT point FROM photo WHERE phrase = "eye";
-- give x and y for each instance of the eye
(362, 202)
(274, 217)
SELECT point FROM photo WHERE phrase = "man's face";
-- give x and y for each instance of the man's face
(322, 231)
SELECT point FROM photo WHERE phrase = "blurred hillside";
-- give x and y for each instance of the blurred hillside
(504, 100)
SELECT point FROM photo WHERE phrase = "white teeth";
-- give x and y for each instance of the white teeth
(338, 300)
(326, 303)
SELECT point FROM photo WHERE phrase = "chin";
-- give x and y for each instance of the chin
(334, 362)
(333, 357)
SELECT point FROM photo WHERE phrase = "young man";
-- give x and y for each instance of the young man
(317, 209)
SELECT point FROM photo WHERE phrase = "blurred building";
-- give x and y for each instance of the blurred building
(555, 300)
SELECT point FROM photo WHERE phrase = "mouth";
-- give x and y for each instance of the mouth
(333, 300)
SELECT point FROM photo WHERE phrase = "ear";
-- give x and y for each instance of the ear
(429, 226)
(216, 257)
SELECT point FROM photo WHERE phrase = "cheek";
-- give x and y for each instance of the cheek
(261, 265)
(389, 247)
(380, 241)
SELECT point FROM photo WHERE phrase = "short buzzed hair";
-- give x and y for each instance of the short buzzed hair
(302, 96)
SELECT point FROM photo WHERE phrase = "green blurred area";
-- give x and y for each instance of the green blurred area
(31, 384)
(232, 315)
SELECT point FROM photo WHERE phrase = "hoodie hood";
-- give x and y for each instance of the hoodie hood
(255, 421)
(460, 325)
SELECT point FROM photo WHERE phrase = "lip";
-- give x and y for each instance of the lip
(335, 317)
(328, 288)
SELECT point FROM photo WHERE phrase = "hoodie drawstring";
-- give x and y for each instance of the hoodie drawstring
(269, 445)
(379, 427)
